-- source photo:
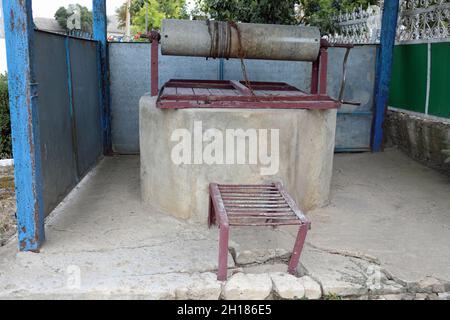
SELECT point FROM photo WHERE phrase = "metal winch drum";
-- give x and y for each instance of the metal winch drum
(225, 40)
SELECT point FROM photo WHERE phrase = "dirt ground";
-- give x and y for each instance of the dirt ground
(7, 204)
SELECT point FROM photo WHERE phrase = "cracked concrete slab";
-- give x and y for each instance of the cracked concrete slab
(150, 287)
(337, 274)
(388, 218)
(104, 236)
(387, 206)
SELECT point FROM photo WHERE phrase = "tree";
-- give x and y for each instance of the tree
(255, 11)
(121, 12)
(310, 12)
(155, 16)
(62, 15)
(157, 11)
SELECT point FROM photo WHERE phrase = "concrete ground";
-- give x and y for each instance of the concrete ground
(391, 208)
(390, 211)
(386, 234)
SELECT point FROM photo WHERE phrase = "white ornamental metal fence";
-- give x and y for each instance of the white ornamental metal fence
(361, 26)
(420, 21)
(424, 21)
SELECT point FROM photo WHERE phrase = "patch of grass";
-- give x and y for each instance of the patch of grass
(7, 204)
(7, 183)
(332, 296)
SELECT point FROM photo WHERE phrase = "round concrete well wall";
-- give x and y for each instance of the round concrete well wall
(176, 180)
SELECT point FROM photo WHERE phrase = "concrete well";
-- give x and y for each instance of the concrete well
(178, 165)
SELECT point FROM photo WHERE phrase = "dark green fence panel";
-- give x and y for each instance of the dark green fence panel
(66, 71)
(439, 104)
(86, 103)
(409, 77)
(58, 154)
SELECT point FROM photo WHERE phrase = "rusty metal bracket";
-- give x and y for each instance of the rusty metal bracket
(325, 44)
(154, 37)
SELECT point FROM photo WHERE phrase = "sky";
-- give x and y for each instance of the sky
(47, 9)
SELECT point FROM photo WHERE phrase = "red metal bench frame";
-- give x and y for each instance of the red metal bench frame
(254, 205)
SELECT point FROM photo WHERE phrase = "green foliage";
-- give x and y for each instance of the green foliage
(121, 12)
(157, 11)
(332, 296)
(5, 124)
(63, 13)
(310, 12)
(254, 11)
(155, 16)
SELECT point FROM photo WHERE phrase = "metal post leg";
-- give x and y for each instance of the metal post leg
(298, 247)
(223, 252)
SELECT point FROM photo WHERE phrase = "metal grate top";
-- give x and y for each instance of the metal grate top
(257, 205)
(181, 94)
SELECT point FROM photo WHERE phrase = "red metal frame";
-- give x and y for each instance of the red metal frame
(323, 70)
(182, 94)
(254, 205)
(220, 84)
(247, 98)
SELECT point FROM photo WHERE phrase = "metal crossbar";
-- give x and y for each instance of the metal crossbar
(254, 205)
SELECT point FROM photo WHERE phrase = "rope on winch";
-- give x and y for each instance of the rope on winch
(220, 33)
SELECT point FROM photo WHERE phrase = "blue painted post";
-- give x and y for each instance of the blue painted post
(19, 32)
(221, 69)
(384, 70)
(100, 34)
